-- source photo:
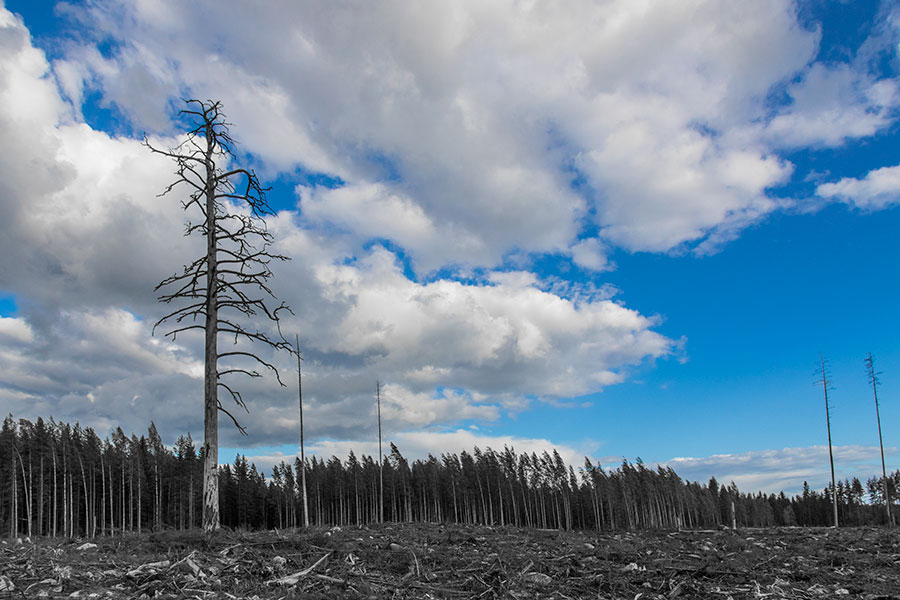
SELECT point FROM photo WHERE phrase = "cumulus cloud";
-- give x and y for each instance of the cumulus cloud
(16, 330)
(833, 103)
(877, 190)
(87, 239)
(370, 211)
(465, 133)
(418, 445)
(79, 206)
(459, 129)
(786, 469)
(768, 471)
(505, 337)
(591, 254)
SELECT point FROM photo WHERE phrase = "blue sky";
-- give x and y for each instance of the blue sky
(622, 232)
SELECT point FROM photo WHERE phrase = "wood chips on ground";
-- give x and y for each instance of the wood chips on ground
(449, 561)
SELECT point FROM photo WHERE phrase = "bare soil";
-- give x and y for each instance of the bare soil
(449, 561)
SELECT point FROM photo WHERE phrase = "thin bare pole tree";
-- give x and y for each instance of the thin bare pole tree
(302, 451)
(230, 280)
(825, 380)
(874, 381)
(380, 457)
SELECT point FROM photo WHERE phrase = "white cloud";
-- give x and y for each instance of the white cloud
(506, 337)
(15, 329)
(418, 444)
(79, 206)
(90, 365)
(372, 211)
(401, 406)
(773, 471)
(86, 240)
(458, 129)
(514, 279)
(768, 471)
(879, 189)
(415, 445)
(591, 254)
(831, 104)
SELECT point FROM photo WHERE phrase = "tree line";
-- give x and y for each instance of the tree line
(65, 481)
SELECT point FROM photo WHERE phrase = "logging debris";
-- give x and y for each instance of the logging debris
(451, 561)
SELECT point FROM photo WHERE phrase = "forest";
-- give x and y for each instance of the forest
(64, 481)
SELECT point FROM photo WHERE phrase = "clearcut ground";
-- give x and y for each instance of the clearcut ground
(449, 561)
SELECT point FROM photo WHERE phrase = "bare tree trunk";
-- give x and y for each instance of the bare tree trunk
(191, 519)
(481, 495)
(380, 458)
(94, 502)
(87, 512)
(873, 379)
(65, 504)
(102, 495)
(130, 493)
(112, 518)
(526, 506)
(825, 385)
(490, 518)
(157, 515)
(455, 504)
(123, 513)
(25, 486)
(211, 287)
(71, 506)
(210, 379)
(356, 494)
(41, 499)
(139, 499)
(55, 495)
(302, 449)
(30, 496)
(14, 512)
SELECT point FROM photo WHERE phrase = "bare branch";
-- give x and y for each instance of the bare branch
(244, 371)
(269, 366)
(240, 427)
(174, 332)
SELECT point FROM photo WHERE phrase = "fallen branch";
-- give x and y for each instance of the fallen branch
(293, 579)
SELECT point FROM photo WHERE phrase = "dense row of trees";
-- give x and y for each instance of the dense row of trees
(59, 480)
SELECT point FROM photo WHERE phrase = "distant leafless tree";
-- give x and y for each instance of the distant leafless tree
(825, 379)
(302, 449)
(230, 280)
(874, 381)
(380, 456)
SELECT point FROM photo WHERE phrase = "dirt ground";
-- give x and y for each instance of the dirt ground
(444, 561)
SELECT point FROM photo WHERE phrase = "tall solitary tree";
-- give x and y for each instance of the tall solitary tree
(874, 381)
(229, 282)
(825, 380)
(380, 457)
(302, 450)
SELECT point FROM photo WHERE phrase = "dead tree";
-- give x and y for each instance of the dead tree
(825, 380)
(302, 450)
(230, 280)
(380, 457)
(873, 379)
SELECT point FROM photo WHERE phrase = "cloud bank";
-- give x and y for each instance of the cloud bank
(436, 149)
(773, 471)
(88, 240)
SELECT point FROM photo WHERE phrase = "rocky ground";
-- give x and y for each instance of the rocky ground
(444, 561)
